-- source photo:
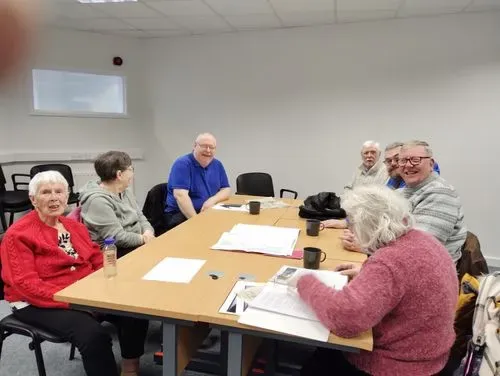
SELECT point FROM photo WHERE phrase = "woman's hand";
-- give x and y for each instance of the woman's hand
(349, 242)
(148, 236)
(335, 223)
(350, 270)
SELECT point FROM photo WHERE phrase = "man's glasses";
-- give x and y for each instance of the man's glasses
(414, 161)
(206, 146)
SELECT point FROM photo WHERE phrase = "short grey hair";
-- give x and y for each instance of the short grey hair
(204, 135)
(377, 215)
(371, 143)
(414, 143)
(46, 177)
(394, 145)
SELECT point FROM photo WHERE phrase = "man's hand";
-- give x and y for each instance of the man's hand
(208, 204)
(335, 223)
(148, 236)
(349, 270)
(349, 242)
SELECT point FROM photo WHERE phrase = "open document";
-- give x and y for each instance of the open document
(240, 296)
(278, 307)
(278, 241)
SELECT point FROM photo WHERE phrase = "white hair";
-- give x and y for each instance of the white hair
(46, 177)
(370, 143)
(377, 215)
(415, 143)
(204, 135)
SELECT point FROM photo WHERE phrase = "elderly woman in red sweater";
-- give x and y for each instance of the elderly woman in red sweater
(45, 252)
(406, 292)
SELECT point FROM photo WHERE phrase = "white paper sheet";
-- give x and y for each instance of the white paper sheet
(284, 300)
(171, 269)
(285, 324)
(328, 277)
(279, 241)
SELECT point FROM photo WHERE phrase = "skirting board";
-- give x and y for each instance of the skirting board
(17, 157)
(493, 261)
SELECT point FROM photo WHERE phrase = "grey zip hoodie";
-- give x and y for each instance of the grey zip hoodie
(109, 214)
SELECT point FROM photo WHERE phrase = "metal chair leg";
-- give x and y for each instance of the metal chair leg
(11, 221)
(72, 352)
(2, 220)
(1, 342)
(39, 357)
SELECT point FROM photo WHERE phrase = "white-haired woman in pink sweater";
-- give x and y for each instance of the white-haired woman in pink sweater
(406, 292)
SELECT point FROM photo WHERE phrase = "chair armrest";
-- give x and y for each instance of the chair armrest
(17, 183)
(295, 194)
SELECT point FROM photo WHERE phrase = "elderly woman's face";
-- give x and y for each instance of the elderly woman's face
(51, 199)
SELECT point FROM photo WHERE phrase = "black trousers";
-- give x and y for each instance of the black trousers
(173, 219)
(326, 362)
(89, 336)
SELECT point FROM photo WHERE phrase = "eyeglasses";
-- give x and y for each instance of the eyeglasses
(206, 146)
(390, 161)
(414, 161)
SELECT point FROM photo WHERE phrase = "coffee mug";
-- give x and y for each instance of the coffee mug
(313, 257)
(313, 227)
(254, 207)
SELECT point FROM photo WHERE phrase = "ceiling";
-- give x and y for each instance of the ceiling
(165, 18)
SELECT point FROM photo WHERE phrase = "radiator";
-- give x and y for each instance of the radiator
(82, 177)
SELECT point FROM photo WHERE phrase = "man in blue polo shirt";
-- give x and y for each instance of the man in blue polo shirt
(197, 182)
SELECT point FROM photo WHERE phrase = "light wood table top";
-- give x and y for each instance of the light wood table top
(232, 265)
(201, 299)
(328, 241)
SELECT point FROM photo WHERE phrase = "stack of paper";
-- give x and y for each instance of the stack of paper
(278, 241)
(278, 307)
(269, 203)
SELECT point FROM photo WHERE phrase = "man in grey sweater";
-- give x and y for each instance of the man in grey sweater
(436, 206)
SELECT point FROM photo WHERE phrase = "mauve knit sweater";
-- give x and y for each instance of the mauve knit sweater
(407, 293)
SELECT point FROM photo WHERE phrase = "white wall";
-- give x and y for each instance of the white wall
(298, 103)
(22, 133)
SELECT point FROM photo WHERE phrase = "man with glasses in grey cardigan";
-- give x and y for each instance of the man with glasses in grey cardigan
(435, 204)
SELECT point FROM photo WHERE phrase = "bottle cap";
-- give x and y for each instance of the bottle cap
(109, 241)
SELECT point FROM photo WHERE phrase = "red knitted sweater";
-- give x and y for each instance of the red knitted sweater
(407, 293)
(34, 268)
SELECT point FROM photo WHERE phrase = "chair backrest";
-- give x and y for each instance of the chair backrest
(255, 184)
(2, 180)
(154, 206)
(2, 295)
(76, 214)
(65, 170)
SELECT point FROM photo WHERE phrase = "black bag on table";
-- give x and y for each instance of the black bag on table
(324, 205)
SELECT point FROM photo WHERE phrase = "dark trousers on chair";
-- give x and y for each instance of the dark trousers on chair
(173, 219)
(89, 336)
(326, 362)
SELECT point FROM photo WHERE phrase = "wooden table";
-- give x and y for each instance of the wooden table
(186, 310)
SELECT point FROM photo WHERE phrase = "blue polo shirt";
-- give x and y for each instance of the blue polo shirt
(201, 182)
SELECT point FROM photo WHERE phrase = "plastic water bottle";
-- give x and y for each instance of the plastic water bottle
(109, 257)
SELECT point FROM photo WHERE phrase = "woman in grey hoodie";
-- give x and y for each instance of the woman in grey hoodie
(109, 209)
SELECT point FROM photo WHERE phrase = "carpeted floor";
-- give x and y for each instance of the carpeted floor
(17, 359)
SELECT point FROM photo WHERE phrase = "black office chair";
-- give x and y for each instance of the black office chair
(258, 184)
(12, 202)
(65, 170)
(10, 325)
(154, 207)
